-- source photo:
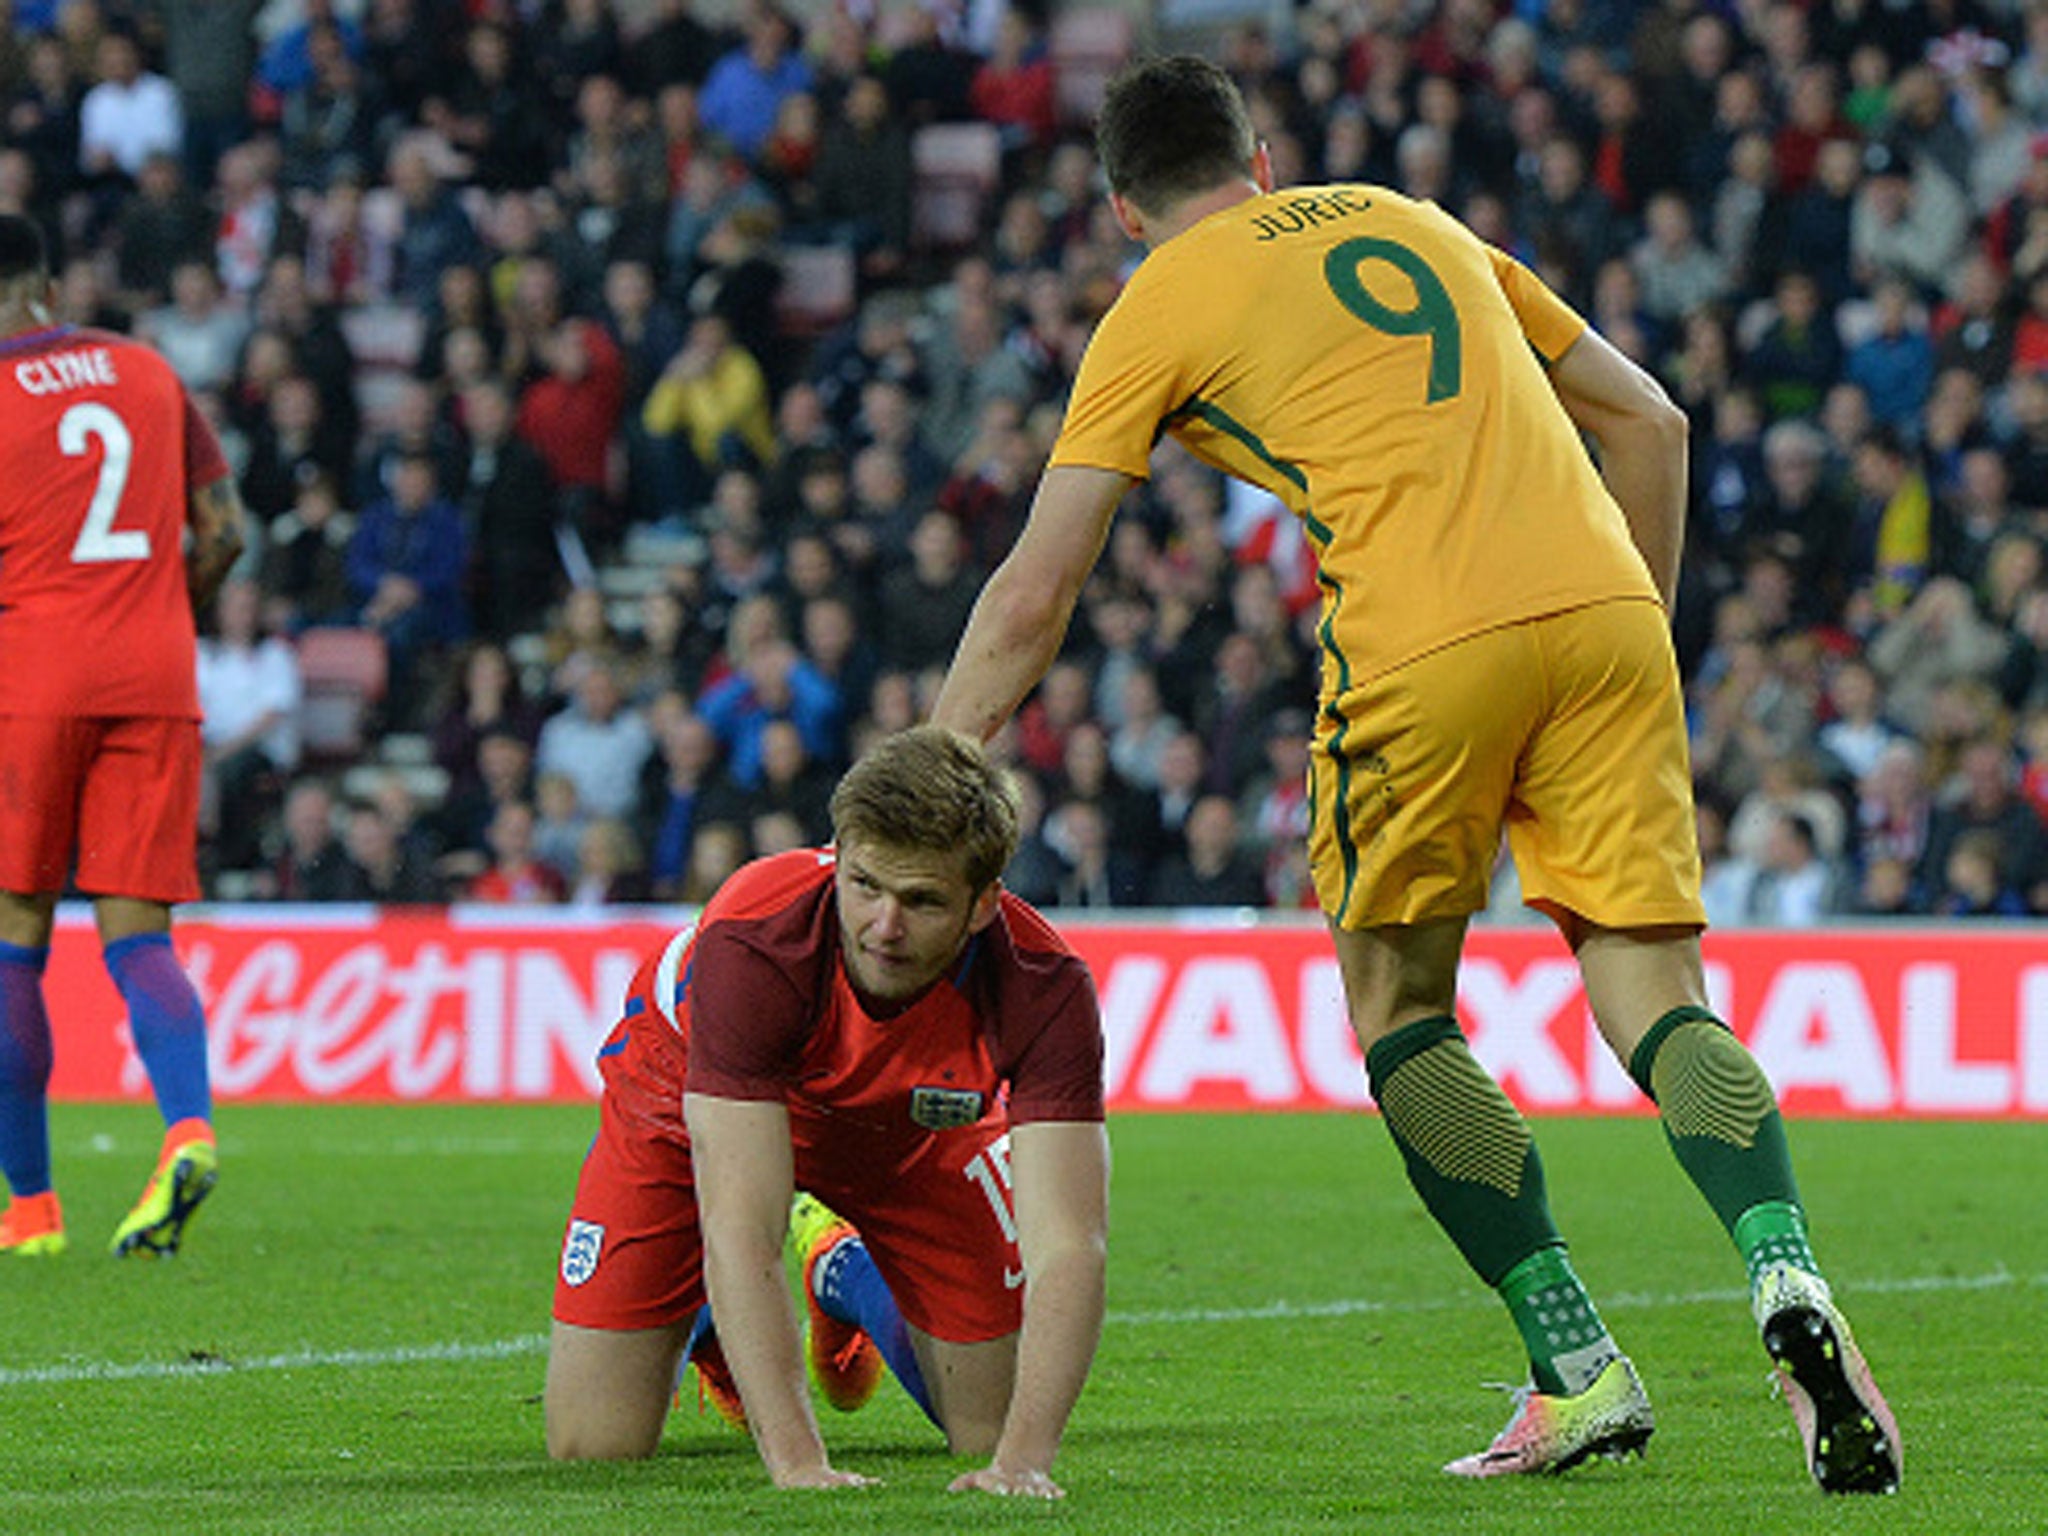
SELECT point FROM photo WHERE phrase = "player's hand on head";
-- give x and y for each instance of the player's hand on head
(1007, 1483)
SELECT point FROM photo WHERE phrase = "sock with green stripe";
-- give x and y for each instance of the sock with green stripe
(1471, 1158)
(1722, 1122)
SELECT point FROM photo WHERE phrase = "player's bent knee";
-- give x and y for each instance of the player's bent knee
(574, 1440)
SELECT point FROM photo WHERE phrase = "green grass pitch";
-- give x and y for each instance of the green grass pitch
(352, 1342)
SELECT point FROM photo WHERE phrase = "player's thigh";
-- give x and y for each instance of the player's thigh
(970, 1385)
(608, 1390)
(1602, 822)
(138, 812)
(633, 1249)
(43, 761)
(1409, 781)
(939, 1224)
(1398, 975)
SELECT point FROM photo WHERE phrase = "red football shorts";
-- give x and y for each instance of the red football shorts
(122, 793)
(938, 1222)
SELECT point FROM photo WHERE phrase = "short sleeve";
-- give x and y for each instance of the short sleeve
(1550, 324)
(747, 1021)
(204, 461)
(1127, 385)
(1058, 1075)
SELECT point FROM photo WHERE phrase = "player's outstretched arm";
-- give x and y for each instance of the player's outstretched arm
(1021, 617)
(739, 1149)
(219, 531)
(1061, 1172)
(1643, 440)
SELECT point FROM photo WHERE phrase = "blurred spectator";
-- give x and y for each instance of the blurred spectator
(1212, 872)
(328, 126)
(772, 682)
(1893, 803)
(312, 865)
(515, 876)
(716, 852)
(1938, 639)
(165, 225)
(1895, 363)
(405, 570)
(570, 416)
(291, 447)
(305, 557)
(746, 85)
(1858, 735)
(201, 331)
(1798, 355)
(249, 696)
(1985, 805)
(1797, 886)
(1013, 86)
(1973, 880)
(385, 870)
(1910, 218)
(1034, 870)
(492, 112)
(598, 744)
(792, 784)
(924, 605)
(608, 869)
(128, 115)
(863, 181)
(559, 821)
(434, 231)
(1896, 520)
(501, 773)
(682, 792)
(1678, 273)
(484, 697)
(1096, 872)
(507, 500)
(708, 411)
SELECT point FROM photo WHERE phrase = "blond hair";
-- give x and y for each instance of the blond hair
(934, 790)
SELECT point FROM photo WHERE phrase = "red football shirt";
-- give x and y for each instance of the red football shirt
(98, 447)
(761, 996)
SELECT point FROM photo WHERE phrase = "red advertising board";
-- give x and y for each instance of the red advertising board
(355, 1004)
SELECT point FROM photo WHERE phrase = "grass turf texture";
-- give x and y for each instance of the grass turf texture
(1292, 1346)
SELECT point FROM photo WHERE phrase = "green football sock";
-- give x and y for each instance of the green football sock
(1568, 1344)
(1472, 1160)
(1722, 1121)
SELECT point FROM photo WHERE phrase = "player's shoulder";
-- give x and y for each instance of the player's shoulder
(771, 885)
(1029, 932)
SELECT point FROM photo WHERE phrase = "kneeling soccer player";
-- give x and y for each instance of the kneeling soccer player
(880, 1025)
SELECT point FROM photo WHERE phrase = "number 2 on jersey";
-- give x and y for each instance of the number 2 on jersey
(98, 542)
(1434, 315)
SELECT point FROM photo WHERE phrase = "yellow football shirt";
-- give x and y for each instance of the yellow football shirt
(1374, 364)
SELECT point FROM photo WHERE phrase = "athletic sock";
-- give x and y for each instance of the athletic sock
(1722, 1122)
(850, 1289)
(1568, 1344)
(1471, 1158)
(166, 1021)
(25, 1057)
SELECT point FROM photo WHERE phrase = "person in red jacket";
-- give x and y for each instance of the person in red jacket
(570, 415)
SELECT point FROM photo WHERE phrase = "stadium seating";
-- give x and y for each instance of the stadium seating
(345, 673)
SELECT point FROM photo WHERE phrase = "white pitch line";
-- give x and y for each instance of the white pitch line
(1278, 1311)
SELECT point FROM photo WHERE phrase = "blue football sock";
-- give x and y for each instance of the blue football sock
(24, 1071)
(852, 1290)
(167, 1022)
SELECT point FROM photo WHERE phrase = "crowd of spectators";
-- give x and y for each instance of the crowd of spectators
(1823, 225)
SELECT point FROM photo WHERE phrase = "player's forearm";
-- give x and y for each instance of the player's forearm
(1062, 1325)
(757, 1330)
(1643, 461)
(1011, 639)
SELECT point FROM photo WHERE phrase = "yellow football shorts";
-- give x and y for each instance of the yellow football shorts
(1568, 730)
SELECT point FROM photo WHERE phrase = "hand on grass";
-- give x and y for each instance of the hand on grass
(1005, 1483)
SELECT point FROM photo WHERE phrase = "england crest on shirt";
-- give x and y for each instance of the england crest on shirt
(944, 1109)
(580, 1250)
